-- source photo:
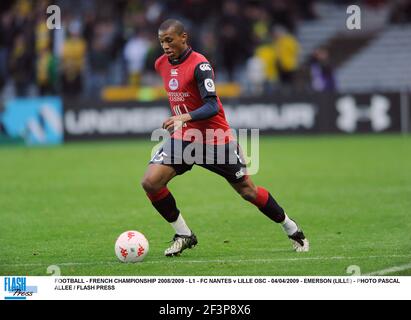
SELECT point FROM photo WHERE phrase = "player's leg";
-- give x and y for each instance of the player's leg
(266, 203)
(234, 170)
(155, 182)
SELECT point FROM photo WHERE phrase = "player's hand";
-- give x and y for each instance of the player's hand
(176, 122)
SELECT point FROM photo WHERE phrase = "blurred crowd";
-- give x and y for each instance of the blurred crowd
(115, 43)
(103, 43)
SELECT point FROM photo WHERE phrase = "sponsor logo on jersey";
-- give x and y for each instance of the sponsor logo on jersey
(177, 96)
(174, 72)
(173, 84)
(205, 67)
(209, 85)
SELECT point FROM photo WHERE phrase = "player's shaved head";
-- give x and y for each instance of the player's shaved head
(177, 25)
(173, 38)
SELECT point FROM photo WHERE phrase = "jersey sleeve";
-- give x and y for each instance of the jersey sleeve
(204, 76)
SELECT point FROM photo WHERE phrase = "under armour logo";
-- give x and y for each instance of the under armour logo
(351, 114)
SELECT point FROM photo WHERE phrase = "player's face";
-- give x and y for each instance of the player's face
(172, 43)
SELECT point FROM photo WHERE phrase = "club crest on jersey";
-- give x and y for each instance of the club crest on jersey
(173, 84)
(205, 67)
(209, 85)
(174, 72)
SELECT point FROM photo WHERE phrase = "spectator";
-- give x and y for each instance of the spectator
(135, 53)
(234, 37)
(21, 64)
(322, 74)
(209, 47)
(73, 61)
(46, 64)
(46, 72)
(255, 71)
(267, 54)
(6, 43)
(287, 51)
(102, 54)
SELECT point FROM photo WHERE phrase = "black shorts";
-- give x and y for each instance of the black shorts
(226, 160)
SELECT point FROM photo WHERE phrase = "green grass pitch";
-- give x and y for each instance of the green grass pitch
(66, 205)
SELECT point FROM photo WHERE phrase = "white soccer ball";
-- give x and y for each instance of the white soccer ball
(131, 246)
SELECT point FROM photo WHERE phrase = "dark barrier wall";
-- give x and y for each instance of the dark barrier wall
(97, 120)
(407, 110)
(310, 113)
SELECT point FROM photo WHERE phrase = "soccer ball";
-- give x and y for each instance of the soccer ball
(131, 246)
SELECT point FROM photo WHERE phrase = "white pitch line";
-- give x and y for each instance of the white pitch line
(175, 260)
(384, 272)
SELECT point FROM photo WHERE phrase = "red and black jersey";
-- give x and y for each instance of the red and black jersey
(188, 81)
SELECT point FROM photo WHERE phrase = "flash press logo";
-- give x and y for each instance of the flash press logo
(16, 288)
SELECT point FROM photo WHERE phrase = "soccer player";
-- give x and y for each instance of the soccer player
(189, 81)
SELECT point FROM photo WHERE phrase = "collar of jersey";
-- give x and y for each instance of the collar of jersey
(186, 53)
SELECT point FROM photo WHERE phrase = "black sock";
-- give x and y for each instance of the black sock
(165, 204)
(273, 210)
(267, 205)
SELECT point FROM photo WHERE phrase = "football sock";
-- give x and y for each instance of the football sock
(180, 226)
(267, 205)
(165, 204)
(289, 226)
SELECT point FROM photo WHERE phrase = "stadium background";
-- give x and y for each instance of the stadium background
(289, 68)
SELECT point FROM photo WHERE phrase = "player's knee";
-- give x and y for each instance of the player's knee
(248, 193)
(149, 185)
